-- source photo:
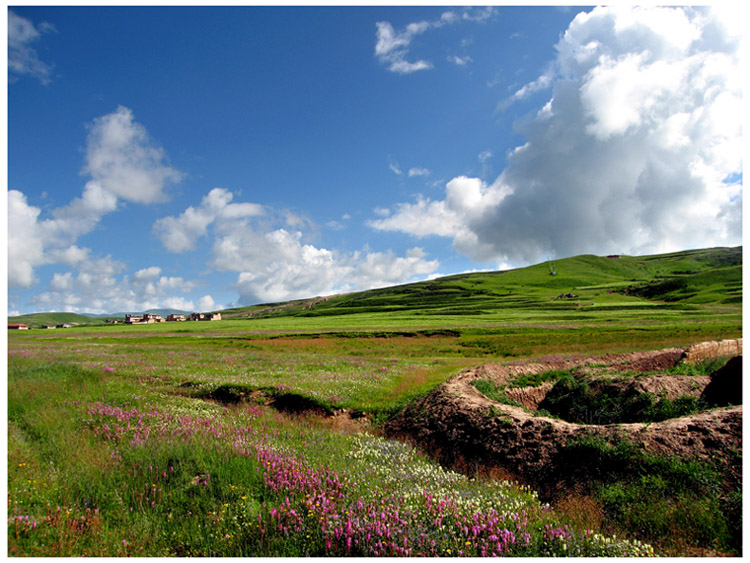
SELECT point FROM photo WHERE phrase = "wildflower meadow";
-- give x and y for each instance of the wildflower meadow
(116, 448)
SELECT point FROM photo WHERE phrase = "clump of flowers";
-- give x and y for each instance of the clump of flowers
(385, 498)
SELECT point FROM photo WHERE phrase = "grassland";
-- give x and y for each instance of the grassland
(39, 320)
(597, 284)
(126, 440)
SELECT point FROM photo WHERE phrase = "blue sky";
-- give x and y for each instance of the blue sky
(200, 158)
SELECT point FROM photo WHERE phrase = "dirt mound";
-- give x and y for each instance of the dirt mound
(669, 387)
(529, 397)
(458, 423)
(714, 349)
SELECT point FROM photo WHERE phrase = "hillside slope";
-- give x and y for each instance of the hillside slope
(37, 320)
(707, 276)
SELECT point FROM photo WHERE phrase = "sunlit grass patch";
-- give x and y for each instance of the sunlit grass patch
(119, 446)
(192, 478)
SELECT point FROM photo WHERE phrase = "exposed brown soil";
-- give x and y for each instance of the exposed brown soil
(458, 423)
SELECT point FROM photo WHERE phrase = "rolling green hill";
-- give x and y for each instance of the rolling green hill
(693, 277)
(38, 320)
(706, 279)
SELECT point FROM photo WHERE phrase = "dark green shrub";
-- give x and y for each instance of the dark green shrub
(594, 459)
(665, 409)
(575, 400)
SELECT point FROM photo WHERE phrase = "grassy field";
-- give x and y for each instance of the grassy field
(158, 440)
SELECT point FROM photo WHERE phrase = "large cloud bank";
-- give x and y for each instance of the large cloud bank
(101, 286)
(268, 249)
(273, 260)
(638, 148)
(123, 163)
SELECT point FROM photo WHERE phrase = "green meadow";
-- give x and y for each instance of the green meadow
(226, 438)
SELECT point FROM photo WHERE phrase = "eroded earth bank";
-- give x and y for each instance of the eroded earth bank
(463, 427)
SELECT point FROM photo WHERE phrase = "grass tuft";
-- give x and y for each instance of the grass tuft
(494, 392)
(660, 499)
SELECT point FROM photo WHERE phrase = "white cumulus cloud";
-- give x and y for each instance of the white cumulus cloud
(391, 47)
(206, 304)
(123, 163)
(23, 59)
(122, 158)
(147, 274)
(466, 198)
(458, 60)
(635, 150)
(100, 286)
(180, 234)
(179, 303)
(25, 244)
(418, 171)
(268, 250)
(292, 270)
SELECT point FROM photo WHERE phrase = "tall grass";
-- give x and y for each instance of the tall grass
(117, 445)
(663, 499)
(96, 470)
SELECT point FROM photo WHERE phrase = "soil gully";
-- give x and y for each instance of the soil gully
(467, 431)
(288, 404)
(464, 428)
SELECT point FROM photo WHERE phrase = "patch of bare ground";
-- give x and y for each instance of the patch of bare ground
(348, 421)
(457, 423)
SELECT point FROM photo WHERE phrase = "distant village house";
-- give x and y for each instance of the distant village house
(148, 318)
(18, 327)
(205, 317)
